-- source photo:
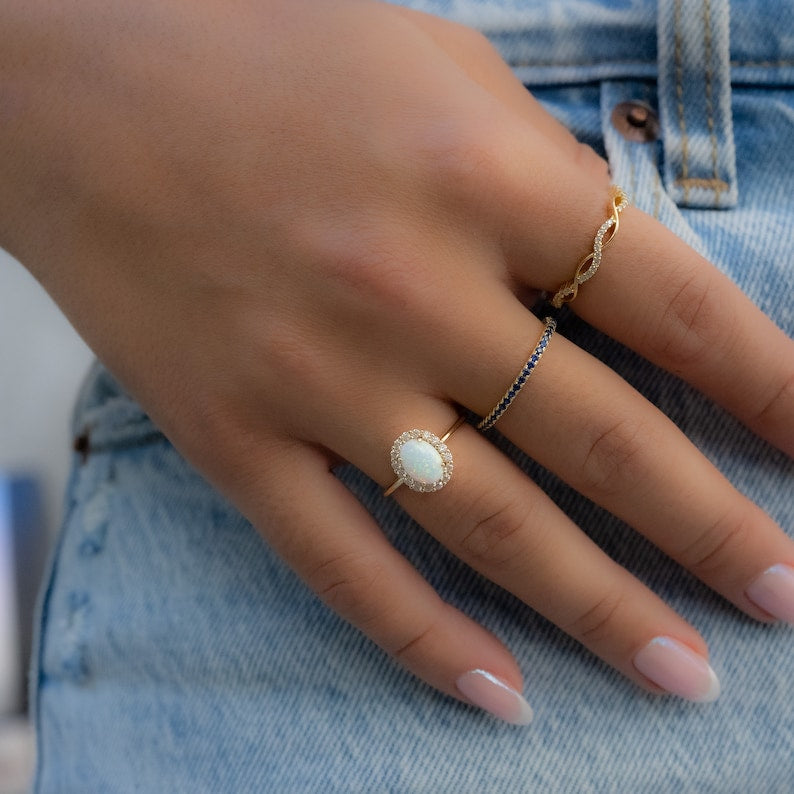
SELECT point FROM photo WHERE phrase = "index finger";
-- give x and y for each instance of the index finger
(652, 291)
(664, 300)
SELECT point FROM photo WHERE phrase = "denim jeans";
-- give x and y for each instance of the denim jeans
(177, 653)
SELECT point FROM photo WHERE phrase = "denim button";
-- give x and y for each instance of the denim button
(636, 121)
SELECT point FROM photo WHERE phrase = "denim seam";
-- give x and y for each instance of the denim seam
(762, 64)
(710, 98)
(43, 606)
(636, 62)
(679, 90)
(576, 64)
(715, 183)
(620, 61)
(119, 444)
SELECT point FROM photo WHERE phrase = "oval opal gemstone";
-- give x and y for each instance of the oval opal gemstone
(421, 461)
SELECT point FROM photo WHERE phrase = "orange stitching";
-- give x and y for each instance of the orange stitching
(637, 62)
(763, 64)
(679, 90)
(709, 95)
(717, 185)
(565, 64)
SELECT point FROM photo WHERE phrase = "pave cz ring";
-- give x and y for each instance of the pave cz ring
(421, 460)
(522, 377)
(586, 269)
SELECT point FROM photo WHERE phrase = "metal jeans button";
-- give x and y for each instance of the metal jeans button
(636, 121)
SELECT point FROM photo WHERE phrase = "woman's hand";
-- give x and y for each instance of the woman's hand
(295, 230)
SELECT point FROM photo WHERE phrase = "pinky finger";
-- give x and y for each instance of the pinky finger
(335, 546)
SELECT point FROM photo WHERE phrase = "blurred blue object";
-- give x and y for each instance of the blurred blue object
(22, 552)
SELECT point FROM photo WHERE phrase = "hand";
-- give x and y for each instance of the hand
(296, 230)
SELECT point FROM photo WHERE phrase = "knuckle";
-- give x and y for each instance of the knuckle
(442, 28)
(472, 159)
(692, 323)
(347, 583)
(614, 458)
(780, 404)
(288, 352)
(361, 264)
(716, 552)
(599, 623)
(372, 269)
(497, 537)
(589, 162)
(293, 361)
(474, 42)
(412, 646)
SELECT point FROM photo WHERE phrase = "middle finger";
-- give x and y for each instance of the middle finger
(579, 419)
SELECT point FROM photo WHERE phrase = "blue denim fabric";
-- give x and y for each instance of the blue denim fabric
(695, 103)
(178, 654)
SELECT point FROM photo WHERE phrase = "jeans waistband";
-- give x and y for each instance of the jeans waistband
(686, 47)
(106, 417)
(572, 41)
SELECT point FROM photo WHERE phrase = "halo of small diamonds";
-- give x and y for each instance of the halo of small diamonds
(412, 478)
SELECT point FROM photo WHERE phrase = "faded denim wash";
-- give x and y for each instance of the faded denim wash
(178, 654)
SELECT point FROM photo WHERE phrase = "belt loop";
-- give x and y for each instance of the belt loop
(695, 102)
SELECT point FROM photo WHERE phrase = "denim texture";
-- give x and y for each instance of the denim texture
(177, 653)
(695, 104)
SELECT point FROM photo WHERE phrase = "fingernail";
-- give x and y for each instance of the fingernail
(677, 668)
(773, 591)
(488, 692)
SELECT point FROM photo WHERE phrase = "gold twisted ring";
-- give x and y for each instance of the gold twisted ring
(586, 269)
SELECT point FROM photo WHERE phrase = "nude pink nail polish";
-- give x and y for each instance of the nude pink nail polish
(773, 591)
(677, 668)
(490, 693)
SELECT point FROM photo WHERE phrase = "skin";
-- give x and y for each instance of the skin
(290, 254)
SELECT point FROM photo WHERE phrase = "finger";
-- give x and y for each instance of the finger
(661, 298)
(499, 522)
(672, 306)
(481, 62)
(579, 419)
(328, 538)
(652, 291)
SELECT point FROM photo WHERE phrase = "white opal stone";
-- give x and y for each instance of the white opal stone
(421, 461)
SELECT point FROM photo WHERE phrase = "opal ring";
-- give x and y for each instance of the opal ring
(421, 460)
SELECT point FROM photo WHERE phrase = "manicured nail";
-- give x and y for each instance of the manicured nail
(677, 668)
(773, 591)
(488, 692)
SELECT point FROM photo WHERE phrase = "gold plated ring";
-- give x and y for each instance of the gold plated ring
(526, 371)
(586, 269)
(421, 460)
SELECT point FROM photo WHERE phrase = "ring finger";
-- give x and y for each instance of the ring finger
(498, 521)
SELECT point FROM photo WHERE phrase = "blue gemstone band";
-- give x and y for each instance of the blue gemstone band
(523, 377)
